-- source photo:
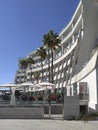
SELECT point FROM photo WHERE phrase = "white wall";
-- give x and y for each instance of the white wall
(90, 22)
(92, 86)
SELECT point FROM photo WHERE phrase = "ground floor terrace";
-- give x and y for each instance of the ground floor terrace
(80, 96)
(49, 99)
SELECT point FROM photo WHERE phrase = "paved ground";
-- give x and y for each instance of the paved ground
(14, 124)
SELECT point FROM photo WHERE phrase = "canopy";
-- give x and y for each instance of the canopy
(36, 87)
(26, 84)
(46, 84)
(8, 85)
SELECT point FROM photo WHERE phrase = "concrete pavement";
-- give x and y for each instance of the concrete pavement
(15, 124)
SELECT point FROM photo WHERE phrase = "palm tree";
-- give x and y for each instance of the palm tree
(37, 75)
(23, 65)
(30, 61)
(24, 62)
(42, 53)
(52, 42)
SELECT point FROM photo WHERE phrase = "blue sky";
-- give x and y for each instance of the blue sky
(22, 26)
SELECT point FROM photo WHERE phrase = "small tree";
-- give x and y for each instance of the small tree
(42, 53)
(23, 65)
(37, 75)
(30, 62)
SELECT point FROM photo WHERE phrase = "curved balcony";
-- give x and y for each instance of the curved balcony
(69, 40)
(72, 22)
(56, 61)
(66, 47)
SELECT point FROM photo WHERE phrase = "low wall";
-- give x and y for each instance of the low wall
(21, 113)
(55, 109)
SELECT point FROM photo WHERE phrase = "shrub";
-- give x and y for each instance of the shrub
(31, 98)
(24, 97)
(89, 116)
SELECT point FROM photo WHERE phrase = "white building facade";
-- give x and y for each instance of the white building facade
(76, 62)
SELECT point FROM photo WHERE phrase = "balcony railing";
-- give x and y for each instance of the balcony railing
(83, 96)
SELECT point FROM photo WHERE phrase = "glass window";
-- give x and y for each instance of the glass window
(75, 89)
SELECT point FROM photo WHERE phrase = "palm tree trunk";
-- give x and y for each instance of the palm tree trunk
(52, 66)
(37, 81)
(31, 74)
(25, 76)
(49, 65)
(42, 71)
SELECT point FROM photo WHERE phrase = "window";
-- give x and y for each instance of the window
(75, 89)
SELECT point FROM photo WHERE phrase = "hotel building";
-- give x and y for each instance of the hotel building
(76, 62)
